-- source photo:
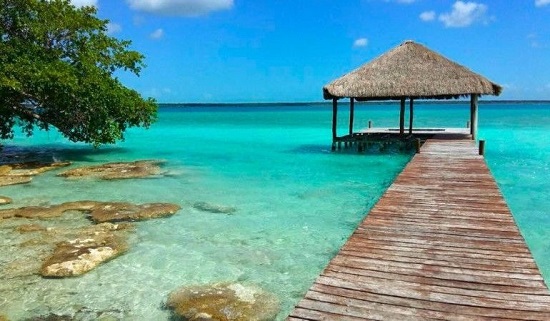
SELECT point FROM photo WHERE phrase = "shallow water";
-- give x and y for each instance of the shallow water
(296, 201)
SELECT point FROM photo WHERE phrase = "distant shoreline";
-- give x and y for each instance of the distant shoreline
(319, 103)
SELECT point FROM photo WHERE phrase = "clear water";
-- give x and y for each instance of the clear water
(297, 202)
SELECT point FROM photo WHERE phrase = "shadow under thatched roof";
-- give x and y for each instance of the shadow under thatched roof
(410, 70)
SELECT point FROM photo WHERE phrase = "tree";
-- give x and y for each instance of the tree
(57, 68)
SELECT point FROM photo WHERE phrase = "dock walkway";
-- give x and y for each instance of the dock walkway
(440, 244)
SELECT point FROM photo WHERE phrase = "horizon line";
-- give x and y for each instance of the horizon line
(507, 101)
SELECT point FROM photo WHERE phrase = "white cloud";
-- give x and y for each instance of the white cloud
(361, 42)
(541, 3)
(464, 14)
(157, 34)
(180, 7)
(84, 3)
(113, 28)
(427, 16)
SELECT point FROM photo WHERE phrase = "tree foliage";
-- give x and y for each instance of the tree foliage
(57, 68)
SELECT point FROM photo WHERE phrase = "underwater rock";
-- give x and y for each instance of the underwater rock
(29, 228)
(37, 246)
(3, 318)
(34, 168)
(4, 200)
(22, 173)
(119, 170)
(47, 211)
(224, 302)
(51, 317)
(99, 211)
(213, 208)
(6, 180)
(78, 256)
(116, 212)
(34, 211)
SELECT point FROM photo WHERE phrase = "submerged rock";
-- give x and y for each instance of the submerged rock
(51, 317)
(35, 168)
(5, 200)
(94, 246)
(213, 208)
(99, 211)
(115, 212)
(119, 170)
(22, 173)
(29, 228)
(224, 301)
(41, 212)
(4, 318)
(6, 180)
(38, 243)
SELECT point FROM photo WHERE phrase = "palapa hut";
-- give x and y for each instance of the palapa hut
(409, 71)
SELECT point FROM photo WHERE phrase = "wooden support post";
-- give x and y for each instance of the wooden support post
(468, 124)
(411, 114)
(351, 114)
(482, 147)
(418, 145)
(370, 123)
(402, 117)
(334, 118)
(473, 115)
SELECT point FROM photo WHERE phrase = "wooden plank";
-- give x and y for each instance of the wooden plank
(427, 279)
(431, 267)
(496, 257)
(452, 250)
(428, 295)
(453, 312)
(441, 260)
(441, 243)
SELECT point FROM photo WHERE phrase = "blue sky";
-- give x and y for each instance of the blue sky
(286, 50)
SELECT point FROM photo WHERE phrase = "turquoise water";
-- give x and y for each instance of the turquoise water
(296, 201)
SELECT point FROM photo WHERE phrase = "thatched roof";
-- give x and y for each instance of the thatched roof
(410, 71)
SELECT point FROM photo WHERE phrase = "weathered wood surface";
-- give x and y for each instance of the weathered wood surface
(416, 131)
(440, 244)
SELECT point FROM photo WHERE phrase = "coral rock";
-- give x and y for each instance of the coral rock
(6, 180)
(212, 208)
(78, 256)
(223, 302)
(4, 200)
(51, 317)
(120, 170)
(22, 173)
(29, 228)
(99, 211)
(34, 168)
(116, 212)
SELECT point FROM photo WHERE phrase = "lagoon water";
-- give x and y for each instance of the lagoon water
(296, 201)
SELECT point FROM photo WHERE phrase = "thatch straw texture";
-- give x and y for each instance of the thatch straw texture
(410, 71)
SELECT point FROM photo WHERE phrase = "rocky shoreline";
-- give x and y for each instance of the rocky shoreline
(104, 232)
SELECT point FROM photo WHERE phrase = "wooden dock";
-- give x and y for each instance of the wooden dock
(440, 244)
(376, 135)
